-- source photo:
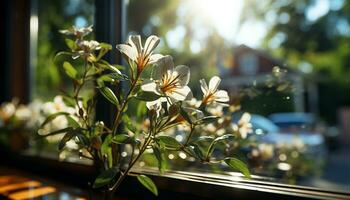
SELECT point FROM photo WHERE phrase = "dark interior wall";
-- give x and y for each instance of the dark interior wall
(15, 17)
(4, 42)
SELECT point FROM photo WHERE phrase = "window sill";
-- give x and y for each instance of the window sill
(189, 185)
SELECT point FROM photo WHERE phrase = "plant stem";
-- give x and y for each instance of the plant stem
(125, 102)
(131, 164)
(190, 135)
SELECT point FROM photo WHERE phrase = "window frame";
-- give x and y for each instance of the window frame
(110, 24)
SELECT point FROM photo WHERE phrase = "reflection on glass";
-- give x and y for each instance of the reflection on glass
(53, 16)
(284, 62)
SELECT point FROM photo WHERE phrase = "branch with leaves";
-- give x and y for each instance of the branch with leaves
(150, 81)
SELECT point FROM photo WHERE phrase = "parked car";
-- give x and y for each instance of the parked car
(276, 131)
(292, 121)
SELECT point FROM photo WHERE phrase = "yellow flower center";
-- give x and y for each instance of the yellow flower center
(209, 97)
(169, 83)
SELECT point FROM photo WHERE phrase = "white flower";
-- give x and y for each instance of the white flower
(7, 110)
(169, 81)
(57, 105)
(194, 103)
(59, 122)
(266, 151)
(86, 48)
(78, 32)
(141, 55)
(243, 127)
(212, 94)
(36, 117)
(23, 113)
(216, 110)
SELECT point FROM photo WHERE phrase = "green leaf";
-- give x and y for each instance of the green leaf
(64, 130)
(52, 117)
(70, 70)
(109, 95)
(174, 109)
(147, 96)
(238, 165)
(68, 136)
(148, 183)
(160, 156)
(72, 122)
(105, 177)
(122, 139)
(71, 44)
(106, 150)
(105, 46)
(141, 110)
(128, 123)
(207, 120)
(169, 142)
(185, 115)
(218, 139)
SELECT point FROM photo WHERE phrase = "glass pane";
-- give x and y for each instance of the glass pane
(284, 62)
(49, 80)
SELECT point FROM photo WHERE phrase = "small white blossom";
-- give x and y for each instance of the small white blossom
(243, 127)
(86, 48)
(78, 32)
(23, 113)
(169, 82)
(211, 94)
(59, 122)
(140, 55)
(266, 151)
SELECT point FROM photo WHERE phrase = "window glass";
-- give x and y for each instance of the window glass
(48, 78)
(284, 62)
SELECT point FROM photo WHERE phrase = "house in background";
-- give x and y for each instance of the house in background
(251, 67)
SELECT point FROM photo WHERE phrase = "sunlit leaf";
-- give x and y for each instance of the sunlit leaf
(105, 177)
(238, 165)
(169, 142)
(122, 139)
(52, 117)
(148, 183)
(70, 70)
(70, 43)
(109, 95)
(147, 96)
(72, 122)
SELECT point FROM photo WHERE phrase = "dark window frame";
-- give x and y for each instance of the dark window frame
(110, 24)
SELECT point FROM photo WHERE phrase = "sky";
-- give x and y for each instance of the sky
(224, 15)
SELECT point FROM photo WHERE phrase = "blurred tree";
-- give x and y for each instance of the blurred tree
(311, 39)
(54, 16)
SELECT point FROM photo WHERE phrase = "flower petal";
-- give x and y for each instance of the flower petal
(135, 41)
(183, 73)
(181, 94)
(214, 83)
(164, 65)
(129, 51)
(154, 58)
(150, 44)
(221, 96)
(204, 86)
(150, 86)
